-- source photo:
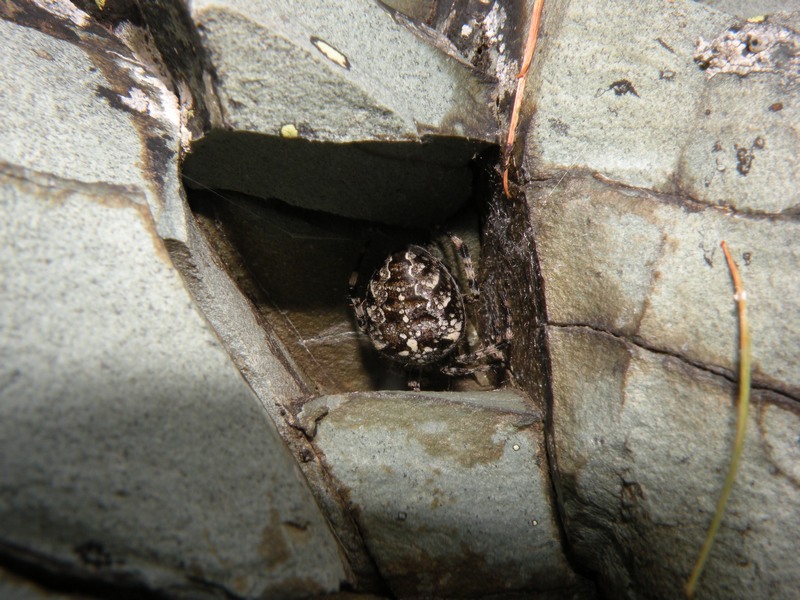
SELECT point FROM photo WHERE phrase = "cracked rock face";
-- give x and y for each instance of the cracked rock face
(133, 453)
(159, 431)
(646, 163)
(451, 491)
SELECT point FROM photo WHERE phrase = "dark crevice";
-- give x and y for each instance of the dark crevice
(294, 261)
(513, 278)
(726, 374)
(58, 577)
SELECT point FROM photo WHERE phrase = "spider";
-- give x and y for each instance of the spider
(414, 313)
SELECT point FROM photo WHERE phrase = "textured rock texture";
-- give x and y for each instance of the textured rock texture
(452, 491)
(645, 160)
(186, 408)
(133, 452)
(293, 78)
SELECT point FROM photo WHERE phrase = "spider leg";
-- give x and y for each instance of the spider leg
(466, 264)
(413, 381)
(508, 334)
(494, 351)
(463, 371)
(356, 302)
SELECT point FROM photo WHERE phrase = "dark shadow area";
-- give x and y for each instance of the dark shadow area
(41, 576)
(295, 263)
(407, 184)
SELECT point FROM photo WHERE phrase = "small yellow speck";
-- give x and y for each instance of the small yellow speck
(757, 19)
(101, 4)
(515, 447)
(289, 131)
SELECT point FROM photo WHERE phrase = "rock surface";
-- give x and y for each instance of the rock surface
(147, 402)
(337, 107)
(133, 452)
(342, 70)
(649, 267)
(645, 163)
(452, 491)
(643, 442)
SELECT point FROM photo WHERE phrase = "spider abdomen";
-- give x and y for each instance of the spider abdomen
(413, 309)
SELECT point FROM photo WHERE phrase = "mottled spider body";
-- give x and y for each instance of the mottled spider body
(413, 311)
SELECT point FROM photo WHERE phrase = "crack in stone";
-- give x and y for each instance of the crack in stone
(679, 197)
(712, 369)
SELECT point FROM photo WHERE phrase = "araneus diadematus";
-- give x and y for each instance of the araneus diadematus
(414, 313)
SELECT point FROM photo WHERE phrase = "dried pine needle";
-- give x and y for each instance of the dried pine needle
(522, 77)
(741, 428)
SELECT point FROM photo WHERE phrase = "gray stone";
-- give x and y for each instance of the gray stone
(641, 320)
(743, 151)
(340, 70)
(130, 121)
(642, 445)
(388, 137)
(746, 9)
(132, 449)
(728, 140)
(620, 103)
(651, 268)
(131, 446)
(451, 491)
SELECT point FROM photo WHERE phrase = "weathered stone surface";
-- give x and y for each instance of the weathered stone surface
(742, 151)
(132, 449)
(642, 444)
(628, 115)
(451, 491)
(650, 268)
(746, 9)
(130, 444)
(51, 144)
(641, 318)
(387, 137)
(340, 70)
(727, 140)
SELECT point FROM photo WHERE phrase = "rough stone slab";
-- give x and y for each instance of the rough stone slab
(746, 9)
(642, 445)
(389, 137)
(113, 383)
(339, 70)
(616, 89)
(131, 447)
(104, 113)
(451, 491)
(650, 268)
(647, 115)
(742, 151)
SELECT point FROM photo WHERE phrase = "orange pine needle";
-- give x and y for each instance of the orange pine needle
(522, 77)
